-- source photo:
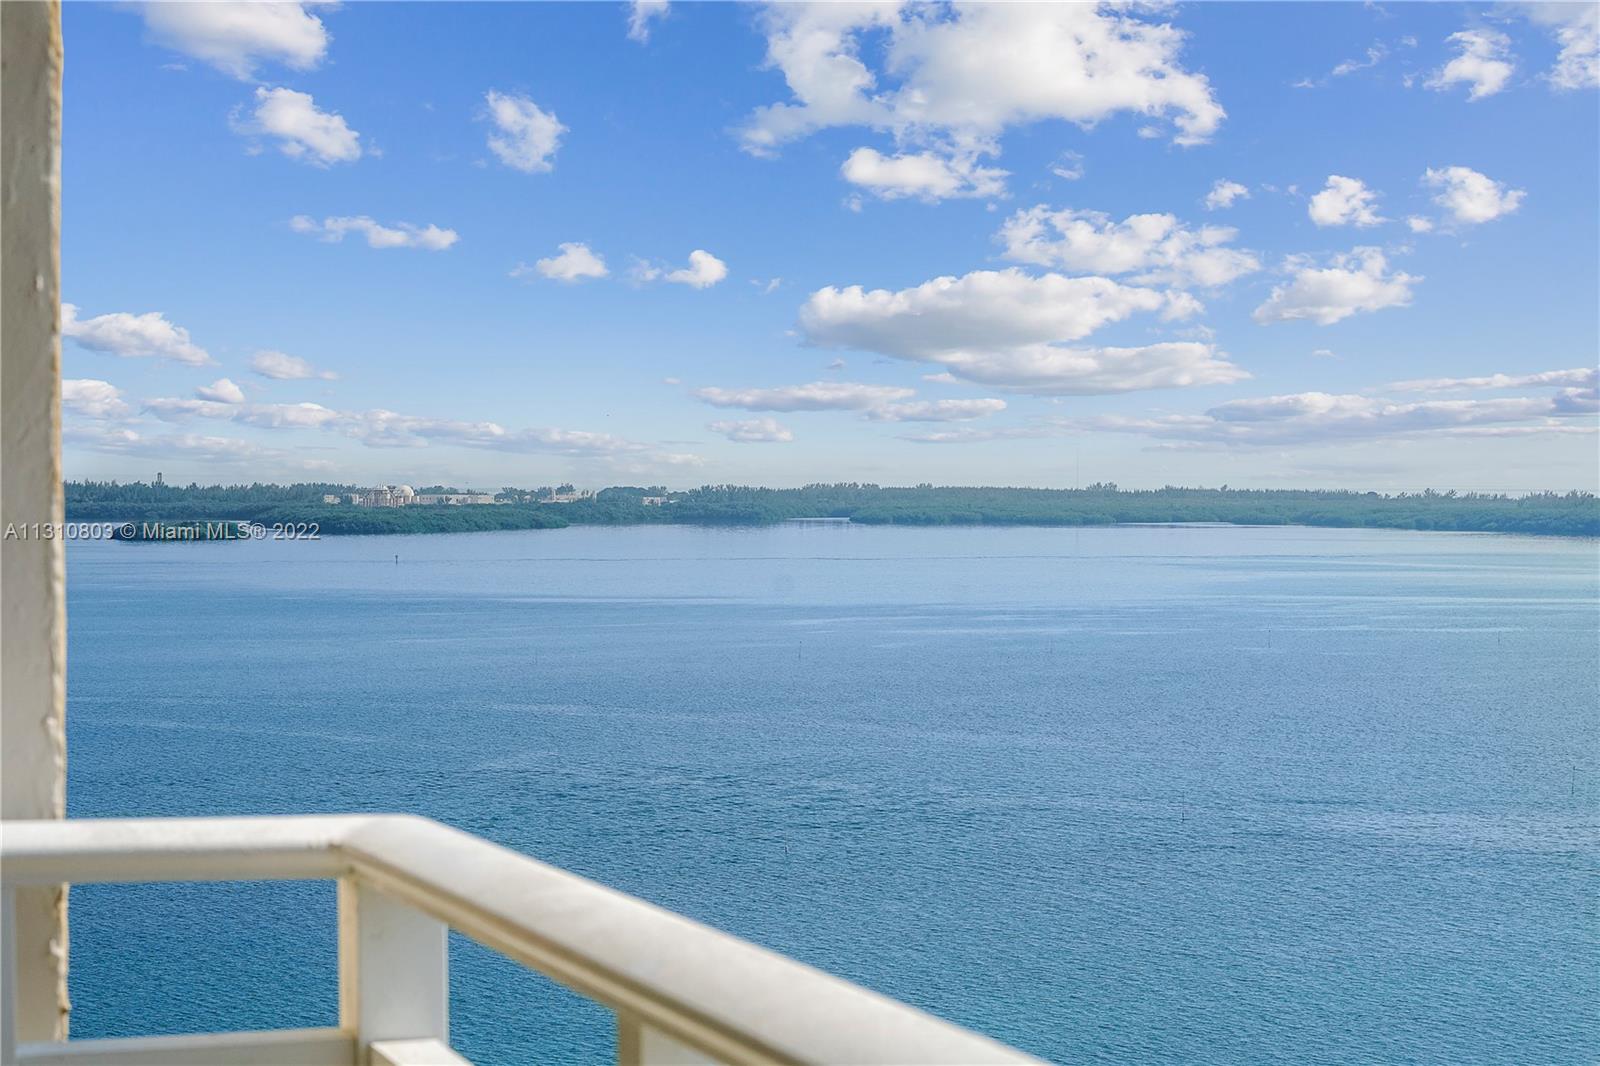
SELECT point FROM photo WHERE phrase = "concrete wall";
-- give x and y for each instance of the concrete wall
(32, 578)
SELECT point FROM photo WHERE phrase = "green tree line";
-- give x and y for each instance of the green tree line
(1546, 513)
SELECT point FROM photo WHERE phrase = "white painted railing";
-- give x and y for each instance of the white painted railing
(682, 992)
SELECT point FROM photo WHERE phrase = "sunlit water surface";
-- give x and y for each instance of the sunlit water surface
(1131, 794)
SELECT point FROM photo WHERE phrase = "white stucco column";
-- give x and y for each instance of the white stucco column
(32, 578)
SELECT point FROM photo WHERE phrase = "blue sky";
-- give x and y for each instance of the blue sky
(515, 244)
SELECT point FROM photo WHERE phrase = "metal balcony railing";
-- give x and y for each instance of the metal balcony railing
(682, 992)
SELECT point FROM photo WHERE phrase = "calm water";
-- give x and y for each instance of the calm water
(1135, 794)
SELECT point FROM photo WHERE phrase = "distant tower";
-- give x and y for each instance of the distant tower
(158, 478)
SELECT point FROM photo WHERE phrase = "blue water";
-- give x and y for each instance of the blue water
(1129, 794)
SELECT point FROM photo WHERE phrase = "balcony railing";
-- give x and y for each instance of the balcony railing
(682, 992)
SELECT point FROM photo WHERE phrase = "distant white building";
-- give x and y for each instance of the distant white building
(455, 499)
(653, 501)
(330, 498)
(566, 497)
(385, 496)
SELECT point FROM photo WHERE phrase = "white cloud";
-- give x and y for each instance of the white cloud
(261, 415)
(282, 367)
(1352, 282)
(1053, 370)
(120, 440)
(642, 13)
(574, 263)
(1419, 224)
(1374, 56)
(1225, 194)
(1344, 202)
(304, 133)
(1471, 197)
(236, 36)
(1319, 417)
(969, 435)
(928, 176)
(92, 398)
(1157, 249)
(1008, 330)
(816, 396)
(753, 431)
(704, 270)
(380, 428)
(1579, 378)
(400, 235)
(1069, 166)
(936, 411)
(1484, 62)
(955, 77)
(1576, 27)
(221, 390)
(967, 73)
(526, 137)
(130, 336)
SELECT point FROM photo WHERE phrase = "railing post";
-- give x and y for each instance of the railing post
(640, 1045)
(8, 978)
(393, 970)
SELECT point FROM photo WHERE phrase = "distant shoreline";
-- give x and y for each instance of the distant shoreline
(298, 509)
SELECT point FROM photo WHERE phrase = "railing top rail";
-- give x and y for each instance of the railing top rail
(729, 998)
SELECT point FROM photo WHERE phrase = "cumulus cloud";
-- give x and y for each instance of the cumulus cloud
(816, 396)
(400, 235)
(132, 336)
(704, 270)
(986, 308)
(927, 176)
(954, 78)
(1225, 194)
(1009, 330)
(574, 262)
(966, 74)
(1156, 249)
(753, 431)
(641, 15)
(1344, 202)
(1576, 27)
(936, 411)
(1470, 197)
(1419, 224)
(235, 37)
(221, 390)
(92, 398)
(526, 137)
(282, 367)
(303, 131)
(1483, 62)
(1353, 282)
